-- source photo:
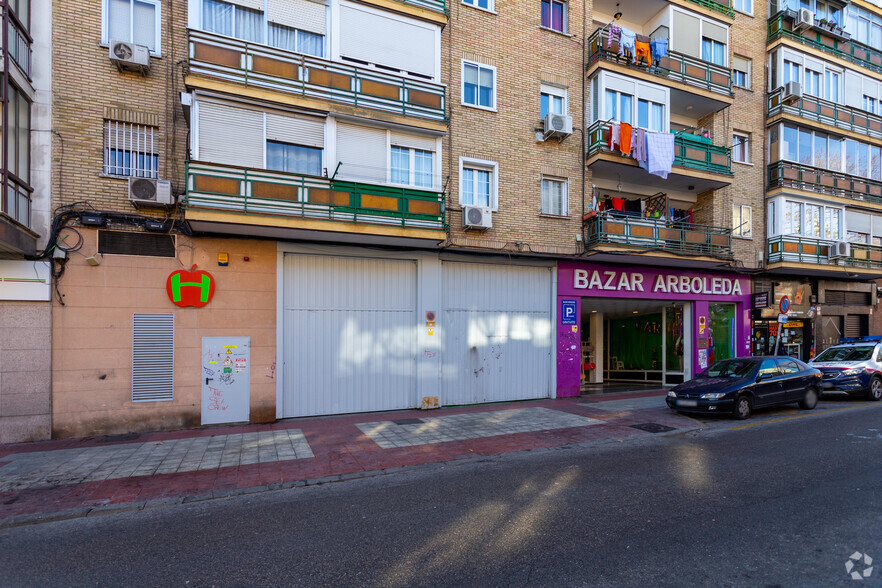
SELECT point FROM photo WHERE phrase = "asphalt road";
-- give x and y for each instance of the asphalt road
(783, 502)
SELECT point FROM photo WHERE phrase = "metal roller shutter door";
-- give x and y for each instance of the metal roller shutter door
(349, 339)
(497, 333)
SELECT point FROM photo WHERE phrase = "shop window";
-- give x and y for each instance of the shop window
(721, 332)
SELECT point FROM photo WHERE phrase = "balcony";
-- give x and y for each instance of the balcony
(16, 238)
(784, 174)
(436, 5)
(786, 251)
(238, 197)
(676, 67)
(781, 27)
(681, 238)
(314, 81)
(699, 165)
(830, 113)
(19, 47)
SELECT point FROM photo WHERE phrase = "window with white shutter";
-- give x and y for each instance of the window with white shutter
(362, 153)
(230, 135)
(133, 21)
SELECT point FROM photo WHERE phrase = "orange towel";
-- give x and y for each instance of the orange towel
(625, 139)
(641, 51)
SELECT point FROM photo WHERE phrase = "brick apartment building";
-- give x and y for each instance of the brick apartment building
(418, 203)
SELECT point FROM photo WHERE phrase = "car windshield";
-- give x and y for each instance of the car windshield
(862, 353)
(731, 368)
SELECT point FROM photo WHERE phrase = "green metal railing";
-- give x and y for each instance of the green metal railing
(817, 251)
(718, 6)
(824, 111)
(785, 174)
(436, 5)
(690, 151)
(781, 26)
(255, 65)
(654, 233)
(227, 188)
(674, 66)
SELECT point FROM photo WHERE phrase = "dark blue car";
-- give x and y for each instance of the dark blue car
(738, 386)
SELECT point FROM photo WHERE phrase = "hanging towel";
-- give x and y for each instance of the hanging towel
(638, 146)
(614, 136)
(626, 41)
(618, 204)
(625, 132)
(659, 48)
(642, 53)
(659, 153)
(615, 33)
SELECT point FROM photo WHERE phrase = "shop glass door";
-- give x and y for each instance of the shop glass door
(676, 343)
(721, 338)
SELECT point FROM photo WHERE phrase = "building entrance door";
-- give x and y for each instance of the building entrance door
(677, 343)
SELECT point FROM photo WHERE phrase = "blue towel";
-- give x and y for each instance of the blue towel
(659, 48)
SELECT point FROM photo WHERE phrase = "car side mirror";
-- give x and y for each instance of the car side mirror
(762, 377)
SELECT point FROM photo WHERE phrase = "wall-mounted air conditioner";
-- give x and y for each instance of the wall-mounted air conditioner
(130, 57)
(840, 249)
(805, 19)
(476, 217)
(557, 125)
(792, 92)
(150, 192)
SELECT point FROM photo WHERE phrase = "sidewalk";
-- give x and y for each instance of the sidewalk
(78, 477)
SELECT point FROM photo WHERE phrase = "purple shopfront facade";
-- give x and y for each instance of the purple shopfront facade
(577, 280)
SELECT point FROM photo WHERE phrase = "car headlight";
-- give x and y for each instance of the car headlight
(672, 394)
(713, 395)
(852, 372)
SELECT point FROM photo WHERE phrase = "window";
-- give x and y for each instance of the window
(232, 20)
(792, 218)
(745, 6)
(554, 197)
(22, 9)
(479, 85)
(741, 71)
(482, 4)
(18, 135)
(552, 100)
(651, 115)
(813, 221)
(135, 21)
(291, 39)
(812, 83)
(741, 148)
(856, 237)
(295, 159)
(411, 167)
(713, 51)
(742, 221)
(554, 15)
(832, 223)
(130, 150)
(619, 106)
(832, 85)
(478, 182)
(870, 104)
(791, 71)
(787, 366)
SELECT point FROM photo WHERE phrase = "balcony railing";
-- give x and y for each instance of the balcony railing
(15, 202)
(652, 233)
(690, 151)
(785, 174)
(819, 110)
(265, 67)
(19, 48)
(436, 5)
(674, 66)
(721, 7)
(817, 251)
(227, 188)
(781, 26)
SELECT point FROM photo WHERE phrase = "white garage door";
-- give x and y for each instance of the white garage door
(497, 333)
(349, 335)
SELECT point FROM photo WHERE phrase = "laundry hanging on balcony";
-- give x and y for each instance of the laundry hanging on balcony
(642, 51)
(626, 42)
(625, 135)
(659, 153)
(615, 33)
(638, 146)
(658, 48)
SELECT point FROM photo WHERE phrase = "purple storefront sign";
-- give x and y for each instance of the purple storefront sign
(577, 280)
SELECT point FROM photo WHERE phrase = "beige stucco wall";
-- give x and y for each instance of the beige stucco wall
(92, 355)
(25, 353)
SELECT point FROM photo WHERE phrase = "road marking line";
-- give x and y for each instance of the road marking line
(793, 417)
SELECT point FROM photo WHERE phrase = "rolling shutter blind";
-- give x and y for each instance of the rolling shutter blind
(871, 88)
(685, 36)
(153, 357)
(382, 40)
(252, 4)
(854, 91)
(715, 32)
(816, 66)
(300, 131)
(413, 141)
(877, 225)
(230, 135)
(855, 325)
(856, 221)
(300, 14)
(740, 64)
(362, 150)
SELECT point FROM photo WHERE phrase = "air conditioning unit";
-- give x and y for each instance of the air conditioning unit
(150, 192)
(130, 57)
(558, 125)
(476, 217)
(840, 249)
(805, 20)
(792, 92)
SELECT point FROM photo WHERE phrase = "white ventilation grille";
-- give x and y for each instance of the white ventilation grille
(153, 357)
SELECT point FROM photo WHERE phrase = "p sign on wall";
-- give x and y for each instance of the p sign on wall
(568, 312)
(226, 379)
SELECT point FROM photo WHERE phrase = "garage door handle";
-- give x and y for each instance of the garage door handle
(207, 380)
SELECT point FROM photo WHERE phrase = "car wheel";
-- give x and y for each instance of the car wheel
(742, 408)
(875, 392)
(810, 400)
